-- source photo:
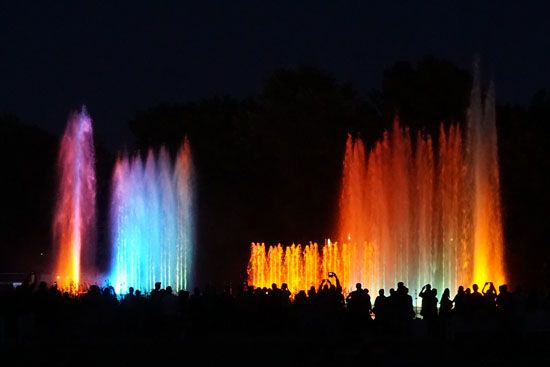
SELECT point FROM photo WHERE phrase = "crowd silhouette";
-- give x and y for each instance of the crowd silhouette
(38, 309)
(36, 313)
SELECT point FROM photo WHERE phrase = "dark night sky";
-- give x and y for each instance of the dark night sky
(123, 57)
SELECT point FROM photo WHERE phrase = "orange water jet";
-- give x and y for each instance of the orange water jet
(410, 210)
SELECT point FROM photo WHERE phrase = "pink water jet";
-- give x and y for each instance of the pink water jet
(75, 214)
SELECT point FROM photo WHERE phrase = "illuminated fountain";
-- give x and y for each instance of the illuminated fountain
(410, 210)
(152, 229)
(75, 217)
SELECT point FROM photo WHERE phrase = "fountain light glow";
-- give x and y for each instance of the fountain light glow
(75, 216)
(152, 224)
(410, 210)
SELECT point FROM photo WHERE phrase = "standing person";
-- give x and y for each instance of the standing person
(445, 304)
(359, 304)
(429, 307)
(380, 306)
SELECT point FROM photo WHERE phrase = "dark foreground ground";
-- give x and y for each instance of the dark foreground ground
(259, 327)
(329, 345)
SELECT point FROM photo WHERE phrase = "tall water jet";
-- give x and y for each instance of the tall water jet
(432, 216)
(411, 210)
(152, 224)
(75, 216)
(395, 199)
(183, 176)
(482, 156)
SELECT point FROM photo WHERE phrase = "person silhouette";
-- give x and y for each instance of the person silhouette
(380, 305)
(476, 299)
(425, 293)
(128, 297)
(504, 301)
(311, 293)
(156, 292)
(445, 304)
(429, 302)
(489, 296)
(285, 294)
(355, 298)
(358, 303)
(460, 301)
